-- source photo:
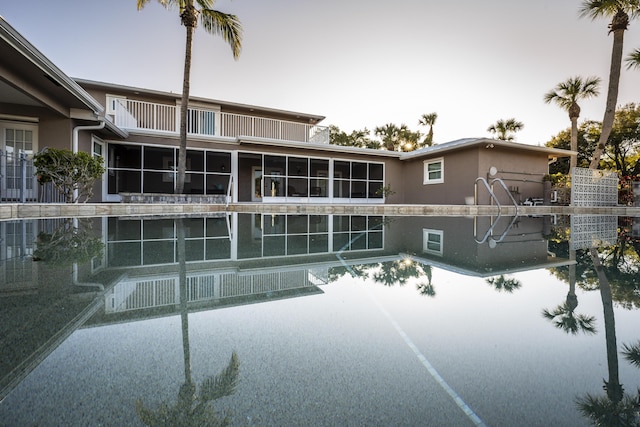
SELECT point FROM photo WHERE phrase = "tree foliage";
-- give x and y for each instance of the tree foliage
(72, 174)
(505, 129)
(214, 22)
(622, 152)
(72, 242)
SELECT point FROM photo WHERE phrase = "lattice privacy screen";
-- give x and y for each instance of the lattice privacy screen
(593, 230)
(594, 187)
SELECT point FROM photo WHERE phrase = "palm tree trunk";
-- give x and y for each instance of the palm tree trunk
(186, 81)
(612, 386)
(574, 144)
(612, 96)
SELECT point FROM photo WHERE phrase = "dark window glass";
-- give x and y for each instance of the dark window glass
(158, 182)
(195, 161)
(125, 156)
(298, 166)
(376, 171)
(358, 170)
(274, 164)
(319, 168)
(159, 158)
(124, 181)
(341, 169)
(218, 162)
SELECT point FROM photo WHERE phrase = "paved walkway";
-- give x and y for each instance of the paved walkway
(58, 210)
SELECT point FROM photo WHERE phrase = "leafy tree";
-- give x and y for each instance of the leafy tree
(587, 136)
(620, 12)
(357, 138)
(214, 22)
(623, 148)
(72, 242)
(566, 95)
(72, 174)
(503, 129)
(428, 120)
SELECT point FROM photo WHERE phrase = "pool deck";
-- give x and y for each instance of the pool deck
(63, 210)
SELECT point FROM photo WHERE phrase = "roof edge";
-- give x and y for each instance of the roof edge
(29, 51)
(178, 96)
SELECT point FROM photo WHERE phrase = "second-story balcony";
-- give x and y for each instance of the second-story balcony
(145, 116)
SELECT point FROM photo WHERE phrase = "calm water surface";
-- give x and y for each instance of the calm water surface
(273, 320)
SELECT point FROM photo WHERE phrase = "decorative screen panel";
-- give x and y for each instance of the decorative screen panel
(593, 187)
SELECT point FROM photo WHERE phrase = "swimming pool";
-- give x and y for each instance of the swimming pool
(284, 319)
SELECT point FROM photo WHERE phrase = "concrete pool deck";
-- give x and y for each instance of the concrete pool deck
(12, 211)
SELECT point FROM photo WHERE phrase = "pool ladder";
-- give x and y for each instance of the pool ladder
(489, 234)
(489, 187)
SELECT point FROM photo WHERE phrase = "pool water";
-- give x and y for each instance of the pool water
(274, 320)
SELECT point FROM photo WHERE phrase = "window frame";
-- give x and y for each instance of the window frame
(426, 180)
(426, 232)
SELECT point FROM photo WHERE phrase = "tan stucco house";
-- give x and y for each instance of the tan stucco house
(242, 153)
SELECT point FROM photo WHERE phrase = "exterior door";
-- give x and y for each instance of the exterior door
(17, 139)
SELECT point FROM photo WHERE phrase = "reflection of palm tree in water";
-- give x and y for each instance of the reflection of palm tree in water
(616, 408)
(393, 273)
(192, 408)
(563, 316)
(502, 283)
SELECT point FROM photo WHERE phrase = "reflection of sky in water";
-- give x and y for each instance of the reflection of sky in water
(336, 358)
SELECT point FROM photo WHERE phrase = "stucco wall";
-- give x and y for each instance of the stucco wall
(522, 172)
(460, 172)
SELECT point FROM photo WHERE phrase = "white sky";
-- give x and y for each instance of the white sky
(359, 63)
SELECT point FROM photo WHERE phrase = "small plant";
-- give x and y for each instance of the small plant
(385, 191)
(72, 174)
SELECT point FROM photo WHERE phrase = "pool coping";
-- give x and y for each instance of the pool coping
(11, 211)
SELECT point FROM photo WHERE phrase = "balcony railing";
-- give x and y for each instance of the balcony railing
(148, 116)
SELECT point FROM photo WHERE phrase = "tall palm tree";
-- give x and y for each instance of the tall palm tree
(428, 120)
(566, 95)
(214, 22)
(633, 60)
(620, 12)
(503, 129)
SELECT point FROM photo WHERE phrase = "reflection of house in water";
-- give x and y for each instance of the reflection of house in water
(230, 259)
(478, 246)
(225, 257)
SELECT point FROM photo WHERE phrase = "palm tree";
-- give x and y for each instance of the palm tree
(389, 134)
(502, 283)
(564, 318)
(193, 405)
(566, 95)
(428, 120)
(620, 12)
(633, 60)
(214, 22)
(503, 128)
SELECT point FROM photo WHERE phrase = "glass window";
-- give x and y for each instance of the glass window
(432, 241)
(125, 156)
(195, 161)
(274, 165)
(319, 168)
(298, 166)
(376, 171)
(341, 169)
(159, 158)
(358, 170)
(218, 162)
(434, 171)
